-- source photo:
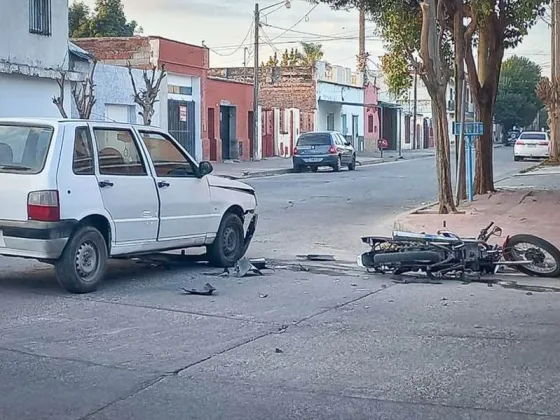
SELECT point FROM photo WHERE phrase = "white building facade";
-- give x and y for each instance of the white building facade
(33, 53)
(340, 102)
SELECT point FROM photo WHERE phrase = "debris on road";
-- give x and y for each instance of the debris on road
(207, 291)
(263, 296)
(302, 268)
(277, 350)
(318, 257)
(244, 267)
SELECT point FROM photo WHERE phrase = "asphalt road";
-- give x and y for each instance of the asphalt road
(318, 344)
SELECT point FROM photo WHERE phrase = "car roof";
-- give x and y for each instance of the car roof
(319, 132)
(56, 121)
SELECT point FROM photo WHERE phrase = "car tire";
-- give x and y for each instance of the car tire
(297, 168)
(338, 165)
(83, 263)
(314, 168)
(352, 166)
(228, 246)
(517, 158)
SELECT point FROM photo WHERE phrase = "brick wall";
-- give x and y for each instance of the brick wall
(280, 87)
(119, 51)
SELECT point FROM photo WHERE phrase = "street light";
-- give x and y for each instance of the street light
(287, 4)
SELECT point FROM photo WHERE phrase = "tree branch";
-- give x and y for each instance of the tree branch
(59, 101)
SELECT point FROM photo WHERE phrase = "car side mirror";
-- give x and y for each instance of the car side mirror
(348, 143)
(204, 168)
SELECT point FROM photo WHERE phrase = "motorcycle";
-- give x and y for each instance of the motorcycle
(446, 255)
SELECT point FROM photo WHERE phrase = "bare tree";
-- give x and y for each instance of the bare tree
(146, 98)
(83, 94)
(59, 100)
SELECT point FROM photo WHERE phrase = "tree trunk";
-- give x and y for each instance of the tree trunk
(484, 173)
(554, 134)
(443, 153)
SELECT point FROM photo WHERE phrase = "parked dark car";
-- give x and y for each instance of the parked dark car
(323, 148)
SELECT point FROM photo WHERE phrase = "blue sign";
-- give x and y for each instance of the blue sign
(475, 128)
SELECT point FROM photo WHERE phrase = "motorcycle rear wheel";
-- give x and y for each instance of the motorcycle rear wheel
(407, 257)
(535, 255)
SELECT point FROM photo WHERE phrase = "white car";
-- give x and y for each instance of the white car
(75, 193)
(531, 145)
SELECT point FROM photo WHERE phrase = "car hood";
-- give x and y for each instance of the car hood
(229, 184)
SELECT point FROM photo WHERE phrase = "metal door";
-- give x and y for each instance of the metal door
(212, 135)
(181, 123)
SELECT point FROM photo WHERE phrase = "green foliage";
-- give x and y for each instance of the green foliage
(107, 20)
(311, 54)
(517, 102)
(397, 76)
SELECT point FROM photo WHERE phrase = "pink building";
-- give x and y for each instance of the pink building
(371, 117)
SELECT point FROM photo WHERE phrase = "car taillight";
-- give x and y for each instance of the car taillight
(519, 143)
(296, 151)
(332, 150)
(43, 206)
(543, 143)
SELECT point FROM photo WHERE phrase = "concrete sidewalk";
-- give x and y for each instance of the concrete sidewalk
(278, 166)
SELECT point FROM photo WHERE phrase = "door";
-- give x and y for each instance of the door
(355, 131)
(225, 132)
(185, 207)
(181, 123)
(122, 175)
(344, 149)
(212, 135)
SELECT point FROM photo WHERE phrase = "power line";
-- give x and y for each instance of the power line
(300, 40)
(297, 23)
(238, 47)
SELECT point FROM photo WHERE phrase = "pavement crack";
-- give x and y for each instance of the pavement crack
(341, 305)
(65, 359)
(142, 387)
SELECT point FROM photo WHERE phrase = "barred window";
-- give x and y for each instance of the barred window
(40, 17)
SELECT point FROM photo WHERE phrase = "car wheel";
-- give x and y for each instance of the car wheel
(338, 165)
(83, 263)
(297, 168)
(227, 248)
(314, 168)
(517, 158)
(352, 166)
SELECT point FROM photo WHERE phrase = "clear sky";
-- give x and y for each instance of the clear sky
(223, 26)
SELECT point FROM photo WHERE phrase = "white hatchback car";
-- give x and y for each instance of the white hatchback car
(75, 193)
(531, 145)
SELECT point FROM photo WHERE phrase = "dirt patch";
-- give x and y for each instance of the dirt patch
(519, 211)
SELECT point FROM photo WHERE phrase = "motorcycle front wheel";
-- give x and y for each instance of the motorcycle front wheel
(544, 257)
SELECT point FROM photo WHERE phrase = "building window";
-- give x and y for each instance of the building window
(180, 90)
(344, 124)
(370, 123)
(330, 122)
(40, 17)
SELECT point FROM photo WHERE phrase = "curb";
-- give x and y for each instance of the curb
(275, 172)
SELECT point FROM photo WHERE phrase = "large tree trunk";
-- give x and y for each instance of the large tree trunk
(484, 170)
(443, 152)
(459, 43)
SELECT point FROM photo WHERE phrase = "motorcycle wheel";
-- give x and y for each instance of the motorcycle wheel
(536, 252)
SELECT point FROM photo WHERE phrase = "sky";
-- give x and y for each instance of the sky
(224, 26)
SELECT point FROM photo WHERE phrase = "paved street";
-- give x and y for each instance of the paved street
(323, 344)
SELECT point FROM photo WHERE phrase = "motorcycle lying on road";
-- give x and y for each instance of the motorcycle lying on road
(446, 255)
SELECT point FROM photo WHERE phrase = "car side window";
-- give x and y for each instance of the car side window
(118, 153)
(168, 159)
(82, 163)
(338, 139)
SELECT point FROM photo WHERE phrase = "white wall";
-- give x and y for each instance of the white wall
(23, 96)
(335, 98)
(19, 46)
(284, 138)
(194, 83)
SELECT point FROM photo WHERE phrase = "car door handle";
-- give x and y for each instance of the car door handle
(163, 184)
(105, 184)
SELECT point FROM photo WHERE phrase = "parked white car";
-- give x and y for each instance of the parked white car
(531, 145)
(75, 193)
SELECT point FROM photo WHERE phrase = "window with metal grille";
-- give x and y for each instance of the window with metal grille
(40, 22)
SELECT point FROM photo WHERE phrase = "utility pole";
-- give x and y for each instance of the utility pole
(415, 108)
(256, 119)
(362, 44)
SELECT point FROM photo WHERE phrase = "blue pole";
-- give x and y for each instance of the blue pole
(469, 162)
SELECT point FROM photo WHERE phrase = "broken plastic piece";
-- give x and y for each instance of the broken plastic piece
(243, 267)
(208, 290)
(318, 257)
(259, 263)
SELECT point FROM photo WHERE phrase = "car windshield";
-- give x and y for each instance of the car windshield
(314, 139)
(24, 148)
(533, 136)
